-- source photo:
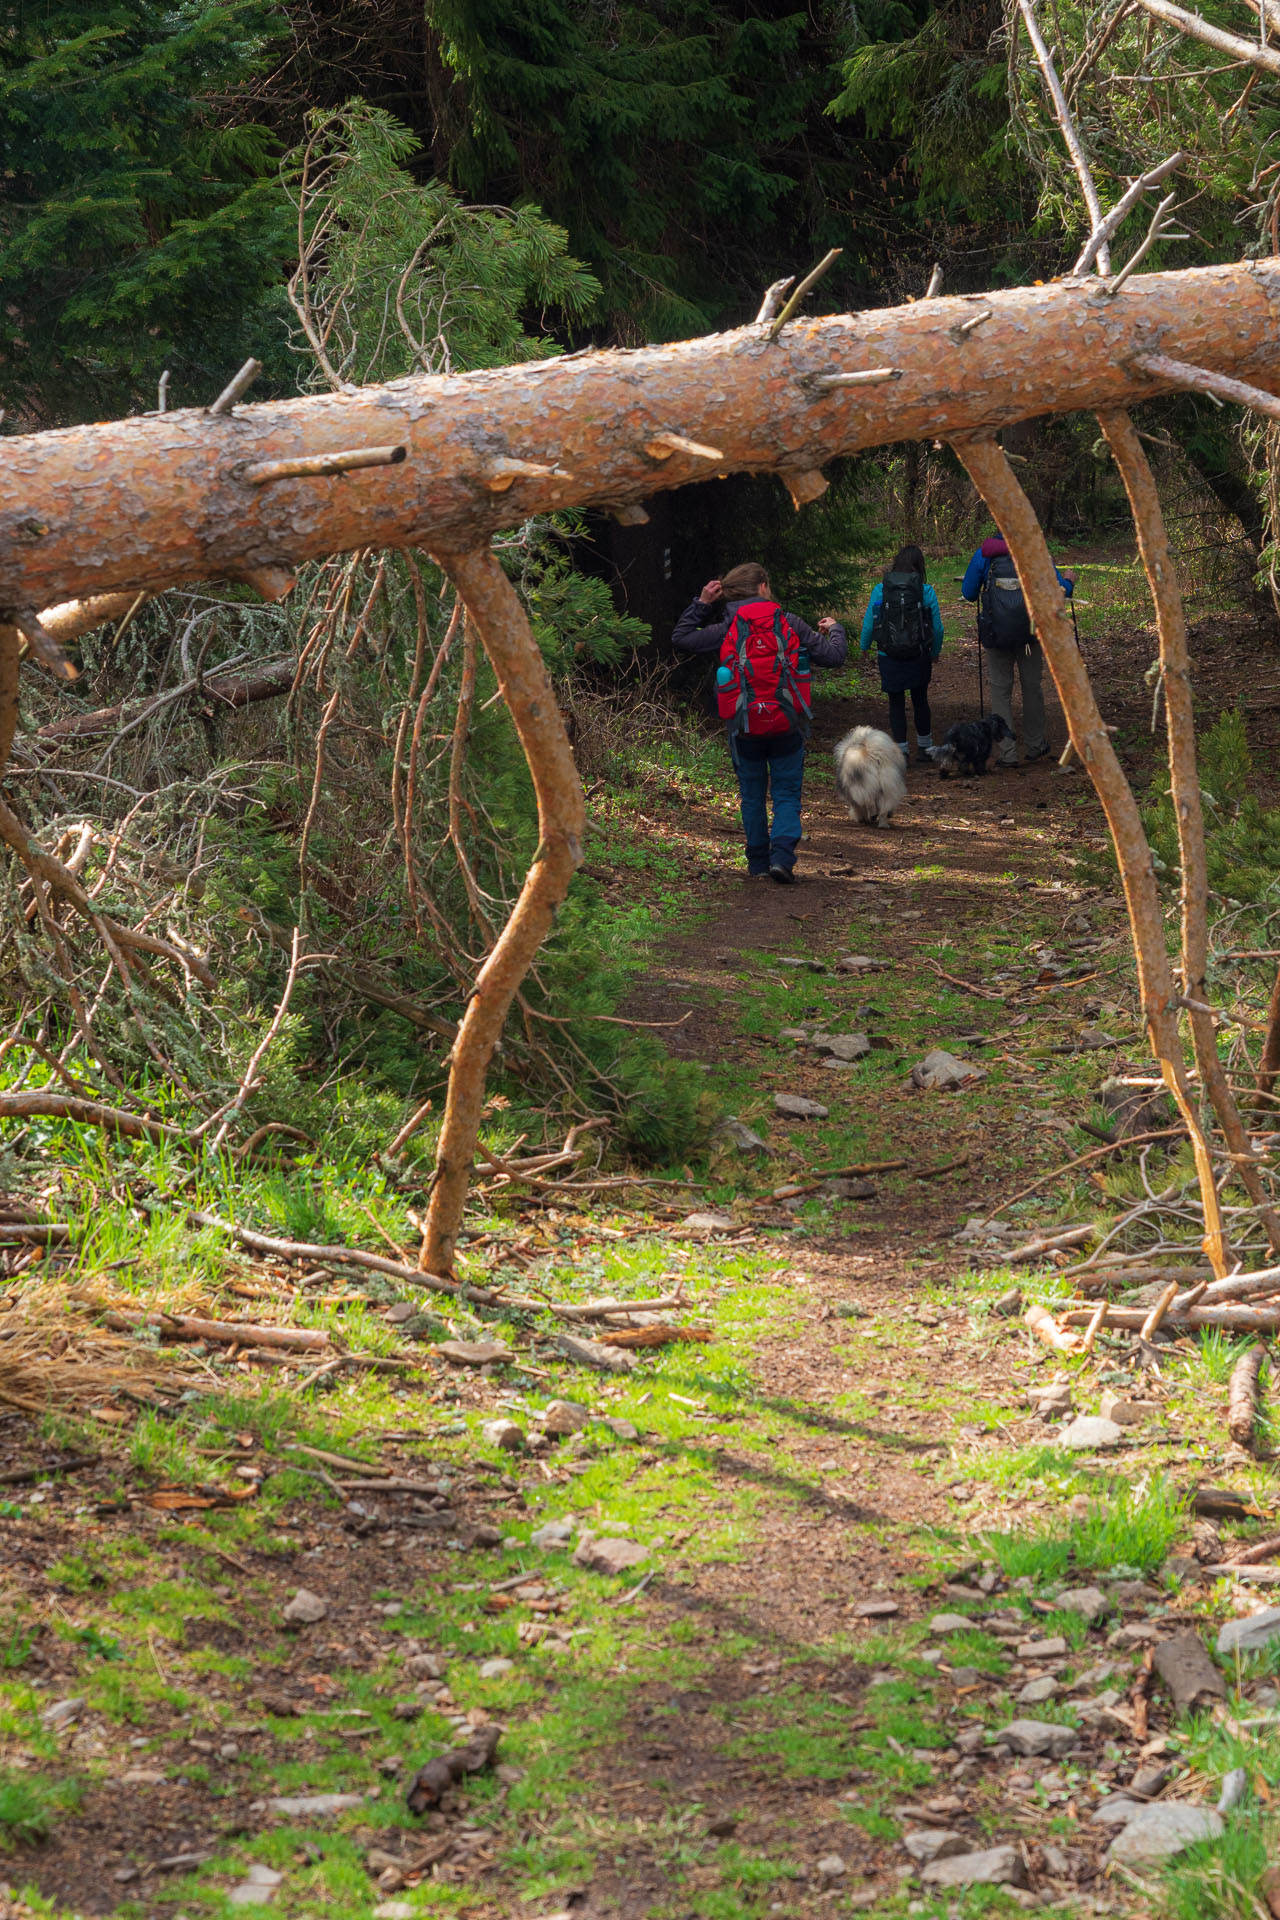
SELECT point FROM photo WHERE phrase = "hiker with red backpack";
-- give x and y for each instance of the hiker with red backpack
(762, 693)
(904, 621)
(1006, 637)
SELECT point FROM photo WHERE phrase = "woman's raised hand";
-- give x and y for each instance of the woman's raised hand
(710, 593)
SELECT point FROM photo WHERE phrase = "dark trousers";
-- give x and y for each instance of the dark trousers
(920, 709)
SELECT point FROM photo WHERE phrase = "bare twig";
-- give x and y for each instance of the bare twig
(1200, 29)
(810, 280)
(1067, 127)
(249, 1082)
(1123, 208)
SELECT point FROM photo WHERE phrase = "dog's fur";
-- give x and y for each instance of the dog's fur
(869, 775)
(967, 747)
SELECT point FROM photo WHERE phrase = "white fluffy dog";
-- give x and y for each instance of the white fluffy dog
(869, 775)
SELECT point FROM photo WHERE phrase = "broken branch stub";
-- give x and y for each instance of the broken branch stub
(153, 502)
(491, 603)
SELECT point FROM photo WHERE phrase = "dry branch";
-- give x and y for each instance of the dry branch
(1175, 668)
(995, 480)
(151, 502)
(232, 690)
(498, 617)
(187, 1326)
(89, 1113)
(1242, 1396)
(1070, 136)
(1230, 43)
(1048, 1332)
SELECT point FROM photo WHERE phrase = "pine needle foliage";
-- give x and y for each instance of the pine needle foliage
(141, 222)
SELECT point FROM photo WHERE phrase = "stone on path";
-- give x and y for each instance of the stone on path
(841, 1046)
(1054, 1648)
(473, 1353)
(503, 1434)
(1087, 1433)
(552, 1534)
(305, 1609)
(1036, 1692)
(1254, 1631)
(563, 1417)
(941, 1071)
(1036, 1737)
(1158, 1832)
(929, 1843)
(1125, 1413)
(735, 1133)
(952, 1623)
(831, 1867)
(495, 1668)
(875, 1609)
(993, 1867)
(795, 1107)
(1088, 1602)
(1116, 1810)
(708, 1223)
(609, 1556)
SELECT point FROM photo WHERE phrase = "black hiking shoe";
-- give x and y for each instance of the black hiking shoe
(783, 875)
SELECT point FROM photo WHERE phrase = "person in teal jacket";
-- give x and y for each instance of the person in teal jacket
(899, 675)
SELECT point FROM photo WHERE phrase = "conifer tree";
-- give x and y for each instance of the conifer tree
(141, 222)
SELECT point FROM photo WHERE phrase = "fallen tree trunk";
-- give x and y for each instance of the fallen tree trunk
(152, 502)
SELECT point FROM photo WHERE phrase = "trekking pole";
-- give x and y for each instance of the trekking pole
(1071, 602)
(981, 708)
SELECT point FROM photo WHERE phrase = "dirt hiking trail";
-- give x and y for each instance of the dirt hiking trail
(789, 1694)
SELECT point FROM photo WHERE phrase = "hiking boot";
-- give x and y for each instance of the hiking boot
(1041, 753)
(924, 756)
(758, 873)
(783, 875)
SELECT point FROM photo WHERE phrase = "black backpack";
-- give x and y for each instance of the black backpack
(1003, 620)
(900, 626)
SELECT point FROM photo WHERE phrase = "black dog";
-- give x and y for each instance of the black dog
(967, 747)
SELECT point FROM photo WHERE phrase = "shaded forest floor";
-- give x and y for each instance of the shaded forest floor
(749, 1718)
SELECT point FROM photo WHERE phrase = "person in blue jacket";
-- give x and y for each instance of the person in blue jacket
(918, 606)
(1010, 646)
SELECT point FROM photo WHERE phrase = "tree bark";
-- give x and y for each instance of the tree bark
(491, 603)
(1242, 1396)
(158, 501)
(996, 482)
(1184, 787)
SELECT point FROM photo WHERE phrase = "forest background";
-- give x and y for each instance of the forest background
(352, 193)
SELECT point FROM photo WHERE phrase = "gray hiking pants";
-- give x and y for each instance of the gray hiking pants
(1029, 666)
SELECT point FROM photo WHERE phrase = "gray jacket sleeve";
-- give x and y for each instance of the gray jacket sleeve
(825, 649)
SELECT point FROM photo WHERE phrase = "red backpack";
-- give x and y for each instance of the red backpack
(762, 682)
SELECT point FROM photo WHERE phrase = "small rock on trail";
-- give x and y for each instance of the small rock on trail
(305, 1609)
(1159, 1832)
(609, 1555)
(942, 1072)
(993, 1867)
(795, 1107)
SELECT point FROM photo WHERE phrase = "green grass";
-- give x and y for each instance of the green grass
(30, 1806)
(1129, 1526)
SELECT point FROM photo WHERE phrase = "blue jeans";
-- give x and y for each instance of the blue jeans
(784, 773)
